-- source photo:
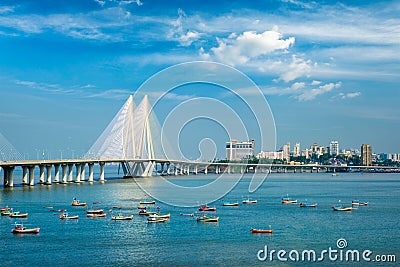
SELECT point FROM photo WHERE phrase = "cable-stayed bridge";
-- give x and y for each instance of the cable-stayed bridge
(133, 140)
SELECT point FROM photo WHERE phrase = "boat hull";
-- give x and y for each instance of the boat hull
(26, 231)
(261, 231)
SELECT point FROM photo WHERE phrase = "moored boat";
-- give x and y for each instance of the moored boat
(288, 200)
(187, 214)
(5, 209)
(207, 208)
(19, 228)
(77, 203)
(94, 211)
(342, 208)
(65, 216)
(308, 205)
(17, 214)
(120, 217)
(261, 231)
(230, 204)
(249, 201)
(356, 202)
(6, 213)
(206, 218)
(147, 202)
(96, 215)
(165, 216)
(156, 220)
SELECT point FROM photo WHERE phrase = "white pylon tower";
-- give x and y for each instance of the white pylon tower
(128, 137)
(144, 142)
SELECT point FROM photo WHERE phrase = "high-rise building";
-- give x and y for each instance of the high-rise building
(286, 152)
(366, 155)
(239, 150)
(296, 150)
(334, 148)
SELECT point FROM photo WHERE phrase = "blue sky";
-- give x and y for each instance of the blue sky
(329, 70)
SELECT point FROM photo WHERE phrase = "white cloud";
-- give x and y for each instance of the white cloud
(249, 46)
(6, 9)
(308, 5)
(322, 89)
(177, 33)
(314, 82)
(297, 68)
(349, 95)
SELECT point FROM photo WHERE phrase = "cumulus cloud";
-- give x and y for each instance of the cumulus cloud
(249, 45)
(184, 37)
(349, 95)
(322, 89)
(297, 68)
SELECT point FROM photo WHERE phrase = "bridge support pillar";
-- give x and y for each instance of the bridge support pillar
(56, 173)
(175, 170)
(102, 164)
(241, 169)
(8, 176)
(70, 169)
(168, 170)
(31, 175)
(91, 172)
(255, 169)
(78, 172)
(206, 170)
(83, 172)
(24, 175)
(41, 174)
(64, 173)
(48, 177)
(196, 169)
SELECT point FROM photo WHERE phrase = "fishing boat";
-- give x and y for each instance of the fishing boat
(77, 203)
(65, 216)
(288, 200)
(5, 209)
(207, 208)
(17, 214)
(165, 216)
(356, 202)
(120, 217)
(96, 215)
(342, 208)
(249, 201)
(147, 202)
(261, 231)
(187, 214)
(19, 228)
(308, 205)
(230, 204)
(6, 213)
(156, 220)
(94, 211)
(141, 207)
(143, 212)
(206, 218)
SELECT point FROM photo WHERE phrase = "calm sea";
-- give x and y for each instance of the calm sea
(184, 242)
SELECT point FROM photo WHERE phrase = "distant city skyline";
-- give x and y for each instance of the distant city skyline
(329, 71)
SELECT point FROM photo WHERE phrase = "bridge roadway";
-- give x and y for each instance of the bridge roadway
(166, 167)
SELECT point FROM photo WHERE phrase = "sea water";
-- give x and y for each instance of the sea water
(182, 241)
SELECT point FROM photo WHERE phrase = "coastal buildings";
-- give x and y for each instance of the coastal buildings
(366, 155)
(236, 150)
(296, 150)
(334, 148)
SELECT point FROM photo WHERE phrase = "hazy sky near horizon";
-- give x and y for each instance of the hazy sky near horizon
(329, 70)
